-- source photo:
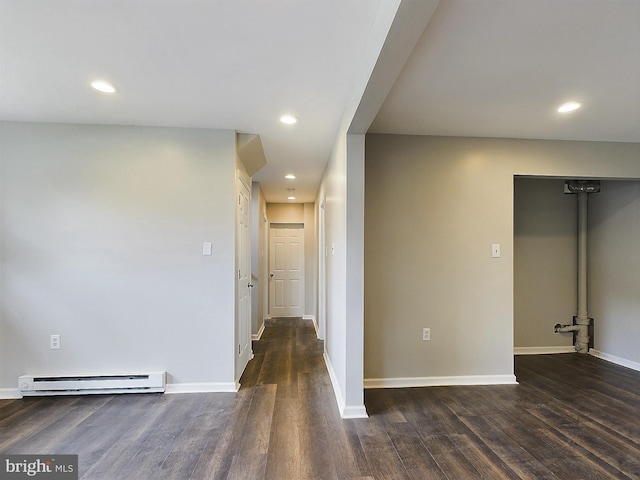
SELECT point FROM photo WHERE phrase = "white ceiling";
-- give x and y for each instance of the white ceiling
(227, 64)
(500, 68)
(481, 68)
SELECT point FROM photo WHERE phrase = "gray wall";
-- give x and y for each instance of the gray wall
(102, 230)
(544, 262)
(434, 206)
(614, 269)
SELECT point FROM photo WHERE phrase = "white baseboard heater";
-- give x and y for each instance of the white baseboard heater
(152, 382)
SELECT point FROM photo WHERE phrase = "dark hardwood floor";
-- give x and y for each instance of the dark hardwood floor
(571, 417)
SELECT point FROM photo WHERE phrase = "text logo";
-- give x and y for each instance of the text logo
(50, 467)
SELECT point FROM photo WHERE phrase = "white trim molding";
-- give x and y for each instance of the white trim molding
(613, 359)
(358, 411)
(543, 350)
(313, 320)
(334, 382)
(258, 336)
(440, 381)
(9, 394)
(346, 411)
(215, 387)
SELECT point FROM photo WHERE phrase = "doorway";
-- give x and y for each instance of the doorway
(544, 264)
(286, 270)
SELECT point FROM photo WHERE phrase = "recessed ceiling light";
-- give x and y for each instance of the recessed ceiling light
(290, 177)
(569, 107)
(289, 119)
(291, 198)
(103, 87)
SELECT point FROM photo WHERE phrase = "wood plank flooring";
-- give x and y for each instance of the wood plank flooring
(571, 417)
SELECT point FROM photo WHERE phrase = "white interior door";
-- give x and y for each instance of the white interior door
(286, 283)
(243, 276)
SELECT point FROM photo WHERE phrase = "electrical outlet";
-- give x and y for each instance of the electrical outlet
(54, 342)
(426, 334)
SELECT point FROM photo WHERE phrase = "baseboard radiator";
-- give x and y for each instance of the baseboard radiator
(152, 382)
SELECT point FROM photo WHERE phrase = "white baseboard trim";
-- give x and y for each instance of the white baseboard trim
(440, 381)
(9, 393)
(215, 387)
(617, 360)
(543, 350)
(258, 336)
(358, 411)
(346, 411)
(313, 320)
(334, 382)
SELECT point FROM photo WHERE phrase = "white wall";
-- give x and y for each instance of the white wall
(354, 290)
(342, 187)
(434, 206)
(393, 34)
(545, 264)
(333, 188)
(614, 263)
(102, 230)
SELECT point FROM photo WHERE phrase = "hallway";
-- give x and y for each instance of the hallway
(572, 417)
(292, 429)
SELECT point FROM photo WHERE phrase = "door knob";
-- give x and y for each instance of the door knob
(250, 285)
(271, 275)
